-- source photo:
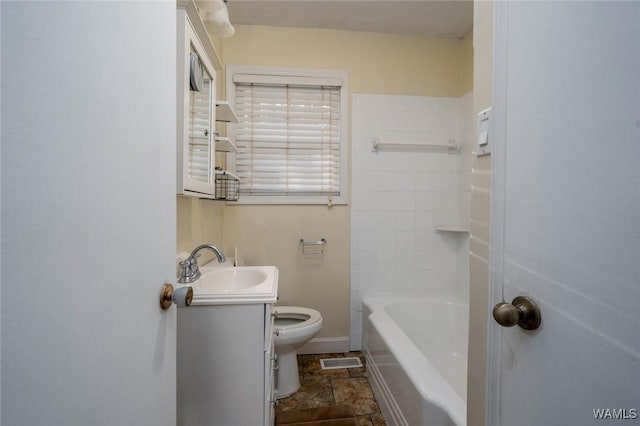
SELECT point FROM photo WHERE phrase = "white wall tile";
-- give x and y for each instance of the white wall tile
(365, 240)
(362, 260)
(385, 201)
(425, 201)
(356, 305)
(386, 220)
(447, 181)
(363, 221)
(427, 181)
(425, 240)
(445, 200)
(363, 180)
(387, 280)
(406, 181)
(386, 181)
(405, 260)
(405, 240)
(386, 239)
(386, 260)
(404, 280)
(366, 201)
(426, 221)
(405, 201)
(405, 221)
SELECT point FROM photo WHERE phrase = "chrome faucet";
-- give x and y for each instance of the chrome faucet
(189, 271)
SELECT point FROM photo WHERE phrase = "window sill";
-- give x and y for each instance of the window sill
(246, 200)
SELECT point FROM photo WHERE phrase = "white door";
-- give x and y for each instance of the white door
(566, 212)
(88, 213)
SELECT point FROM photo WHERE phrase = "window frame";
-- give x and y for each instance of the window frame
(308, 74)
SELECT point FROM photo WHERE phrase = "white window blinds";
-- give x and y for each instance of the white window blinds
(288, 138)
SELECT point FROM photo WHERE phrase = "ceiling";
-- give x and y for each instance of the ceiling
(450, 19)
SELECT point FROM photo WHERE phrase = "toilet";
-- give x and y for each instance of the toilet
(293, 327)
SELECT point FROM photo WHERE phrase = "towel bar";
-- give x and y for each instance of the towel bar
(452, 147)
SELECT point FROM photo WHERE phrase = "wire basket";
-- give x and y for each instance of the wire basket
(227, 187)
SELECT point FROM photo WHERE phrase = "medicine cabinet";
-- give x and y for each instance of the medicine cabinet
(197, 110)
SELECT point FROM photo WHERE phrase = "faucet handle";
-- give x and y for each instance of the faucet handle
(189, 271)
(185, 268)
(190, 261)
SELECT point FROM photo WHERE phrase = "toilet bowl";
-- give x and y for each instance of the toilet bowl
(293, 327)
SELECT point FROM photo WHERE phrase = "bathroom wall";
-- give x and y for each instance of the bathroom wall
(466, 63)
(377, 63)
(198, 222)
(399, 197)
(479, 239)
(467, 132)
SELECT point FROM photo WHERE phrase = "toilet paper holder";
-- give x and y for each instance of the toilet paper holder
(313, 247)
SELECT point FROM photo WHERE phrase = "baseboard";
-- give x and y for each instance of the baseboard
(325, 345)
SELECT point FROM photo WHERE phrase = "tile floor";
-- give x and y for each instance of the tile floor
(343, 386)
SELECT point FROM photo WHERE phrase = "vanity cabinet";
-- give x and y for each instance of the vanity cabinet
(225, 365)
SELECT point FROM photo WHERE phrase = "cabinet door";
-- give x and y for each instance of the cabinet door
(196, 113)
(220, 365)
(200, 155)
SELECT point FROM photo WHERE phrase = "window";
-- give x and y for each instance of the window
(290, 136)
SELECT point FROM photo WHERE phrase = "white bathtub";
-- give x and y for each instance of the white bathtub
(416, 352)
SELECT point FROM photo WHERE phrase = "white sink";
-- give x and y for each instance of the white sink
(224, 284)
(231, 279)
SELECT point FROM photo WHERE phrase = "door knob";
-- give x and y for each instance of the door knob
(521, 311)
(182, 296)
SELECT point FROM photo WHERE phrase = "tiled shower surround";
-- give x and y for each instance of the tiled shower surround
(400, 196)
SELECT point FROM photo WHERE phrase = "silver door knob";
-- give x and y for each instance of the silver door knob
(183, 296)
(521, 311)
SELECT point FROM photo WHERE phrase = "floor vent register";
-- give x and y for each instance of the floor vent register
(333, 363)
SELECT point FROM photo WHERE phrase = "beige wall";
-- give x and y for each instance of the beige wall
(198, 222)
(479, 241)
(377, 63)
(466, 63)
(270, 235)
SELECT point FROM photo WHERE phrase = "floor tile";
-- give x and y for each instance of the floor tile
(312, 393)
(378, 419)
(356, 393)
(365, 420)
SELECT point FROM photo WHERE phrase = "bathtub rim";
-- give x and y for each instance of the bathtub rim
(446, 398)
